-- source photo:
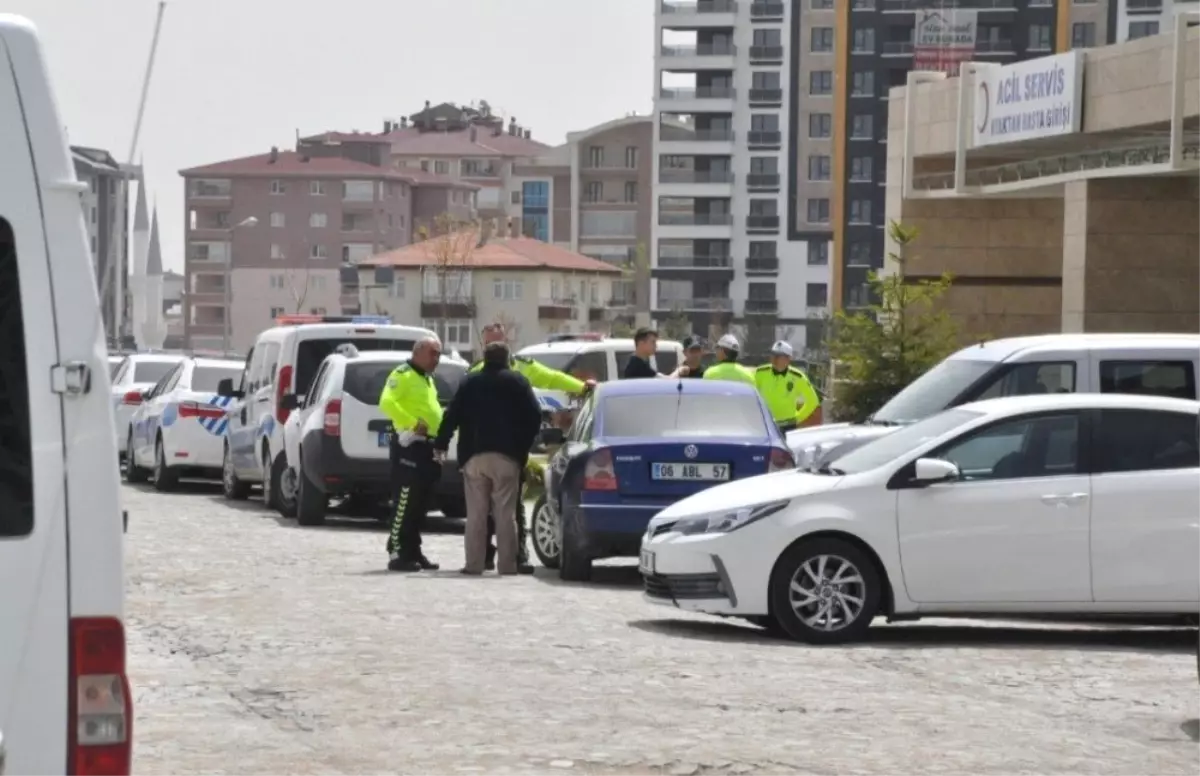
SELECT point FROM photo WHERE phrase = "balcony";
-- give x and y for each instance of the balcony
(766, 96)
(701, 50)
(210, 189)
(695, 176)
(600, 165)
(597, 313)
(762, 181)
(434, 306)
(994, 47)
(702, 261)
(762, 265)
(760, 223)
(897, 47)
(695, 219)
(908, 6)
(698, 93)
(764, 139)
(711, 304)
(762, 307)
(682, 7)
(1144, 6)
(766, 10)
(556, 309)
(468, 170)
(762, 54)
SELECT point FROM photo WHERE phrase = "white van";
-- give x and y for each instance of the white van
(284, 360)
(1157, 364)
(595, 357)
(65, 705)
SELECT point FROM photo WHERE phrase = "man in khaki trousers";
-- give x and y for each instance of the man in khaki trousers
(497, 416)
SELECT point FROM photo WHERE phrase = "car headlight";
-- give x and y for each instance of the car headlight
(724, 522)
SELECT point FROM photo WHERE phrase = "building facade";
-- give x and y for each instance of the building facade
(270, 234)
(730, 241)
(1133, 19)
(105, 211)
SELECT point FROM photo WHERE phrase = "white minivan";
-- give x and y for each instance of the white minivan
(65, 705)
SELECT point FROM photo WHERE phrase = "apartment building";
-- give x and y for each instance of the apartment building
(534, 288)
(732, 236)
(269, 234)
(105, 211)
(877, 43)
(1133, 19)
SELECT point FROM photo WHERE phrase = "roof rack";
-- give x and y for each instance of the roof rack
(299, 319)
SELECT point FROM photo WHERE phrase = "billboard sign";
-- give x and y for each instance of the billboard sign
(1028, 100)
(943, 38)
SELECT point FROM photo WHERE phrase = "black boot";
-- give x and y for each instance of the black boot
(401, 563)
(490, 561)
(426, 564)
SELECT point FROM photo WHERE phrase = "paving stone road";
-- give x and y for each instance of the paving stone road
(257, 647)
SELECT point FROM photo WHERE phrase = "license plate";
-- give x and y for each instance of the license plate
(690, 472)
(646, 562)
(383, 439)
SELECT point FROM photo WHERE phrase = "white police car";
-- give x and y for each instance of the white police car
(594, 357)
(179, 428)
(284, 360)
(136, 374)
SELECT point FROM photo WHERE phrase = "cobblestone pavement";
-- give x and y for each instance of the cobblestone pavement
(260, 647)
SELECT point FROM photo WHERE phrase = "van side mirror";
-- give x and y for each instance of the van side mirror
(225, 388)
(551, 436)
(289, 402)
(931, 470)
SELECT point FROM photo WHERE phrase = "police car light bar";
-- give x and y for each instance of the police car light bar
(298, 319)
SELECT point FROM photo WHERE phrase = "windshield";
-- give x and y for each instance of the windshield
(885, 449)
(556, 361)
(205, 378)
(933, 391)
(151, 371)
(113, 366)
(680, 415)
(312, 352)
(365, 380)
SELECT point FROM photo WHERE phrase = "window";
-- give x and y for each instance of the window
(1039, 446)
(595, 156)
(317, 252)
(592, 365)
(631, 157)
(276, 251)
(450, 285)
(765, 79)
(818, 168)
(1028, 379)
(316, 188)
(1039, 37)
(1142, 29)
(862, 5)
(821, 39)
(820, 82)
(764, 207)
(860, 168)
(152, 371)
(764, 122)
(860, 211)
(278, 187)
(358, 191)
(277, 220)
(277, 281)
(593, 191)
(317, 310)
(763, 249)
(820, 124)
(821, 5)
(93, 215)
(507, 290)
(767, 36)
(353, 253)
(860, 253)
(451, 332)
(1153, 378)
(317, 282)
(276, 312)
(608, 224)
(665, 415)
(536, 194)
(764, 165)
(318, 220)
(818, 253)
(818, 211)
(441, 166)
(16, 443)
(862, 127)
(864, 41)
(1083, 34)
(223, 219)
(396, 289)
(1141, 440)
(631, 192)
(863, 84)
(816, 295)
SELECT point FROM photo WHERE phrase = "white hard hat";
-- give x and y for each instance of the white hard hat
(729, 342)
(782, 348)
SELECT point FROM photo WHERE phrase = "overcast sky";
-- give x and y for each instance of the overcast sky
(234, 77)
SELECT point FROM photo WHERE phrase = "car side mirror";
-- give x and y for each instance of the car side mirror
(552, 437)
(289, 402)
(225, 388)
(927, 471)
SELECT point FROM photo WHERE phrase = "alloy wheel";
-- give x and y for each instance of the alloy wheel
(827, 593)
(545, 532)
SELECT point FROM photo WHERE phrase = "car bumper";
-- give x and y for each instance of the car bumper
(712, 573)
(617, 529)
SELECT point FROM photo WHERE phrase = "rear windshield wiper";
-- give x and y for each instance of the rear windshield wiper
(873, 421)
(827, 469)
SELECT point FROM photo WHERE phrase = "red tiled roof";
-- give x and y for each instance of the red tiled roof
(346, 137)
(497, 253)
(409, 142)
(290, 164)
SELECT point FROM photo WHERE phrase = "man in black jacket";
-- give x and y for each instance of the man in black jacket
(497, 416)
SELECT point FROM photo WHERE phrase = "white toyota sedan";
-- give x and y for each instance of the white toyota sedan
(1061, 503)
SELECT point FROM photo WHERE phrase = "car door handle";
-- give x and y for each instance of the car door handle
(263, 399)
(2, 753)
(1063, 499)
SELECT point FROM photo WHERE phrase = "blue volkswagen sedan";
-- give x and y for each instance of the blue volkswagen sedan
(638, 446)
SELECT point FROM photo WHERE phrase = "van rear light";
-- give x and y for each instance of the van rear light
(133, 398)
(333, 417)
(283, 385)
(598, 473)
(100, 721)
(194, 409)
(781, 460)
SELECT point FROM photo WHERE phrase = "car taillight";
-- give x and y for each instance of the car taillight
(100, 722)
(598, 473)
(192, 409)
(283, 385)
(333, 417)
(133, 397)
(781, 460)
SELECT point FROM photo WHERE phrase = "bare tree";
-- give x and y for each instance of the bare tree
(449, 243)
(298, 283)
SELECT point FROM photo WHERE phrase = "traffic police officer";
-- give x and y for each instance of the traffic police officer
(547, 379)
(410, 401)
(787, 391)
(727, 367)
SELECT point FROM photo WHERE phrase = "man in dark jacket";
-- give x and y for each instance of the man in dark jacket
(497, 416)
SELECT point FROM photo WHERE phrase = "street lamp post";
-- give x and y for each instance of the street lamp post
(228, 284)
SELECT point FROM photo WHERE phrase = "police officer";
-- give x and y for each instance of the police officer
(785, 388)
(693, 353)
(547, 379)
(410, 401)
(727, 367)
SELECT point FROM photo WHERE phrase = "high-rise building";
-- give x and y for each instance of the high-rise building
(1133, 19)
(733, 240)
(105, 211)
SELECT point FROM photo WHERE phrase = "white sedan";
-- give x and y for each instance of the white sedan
(1063, 503)
(179, 426)
(135, 375)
